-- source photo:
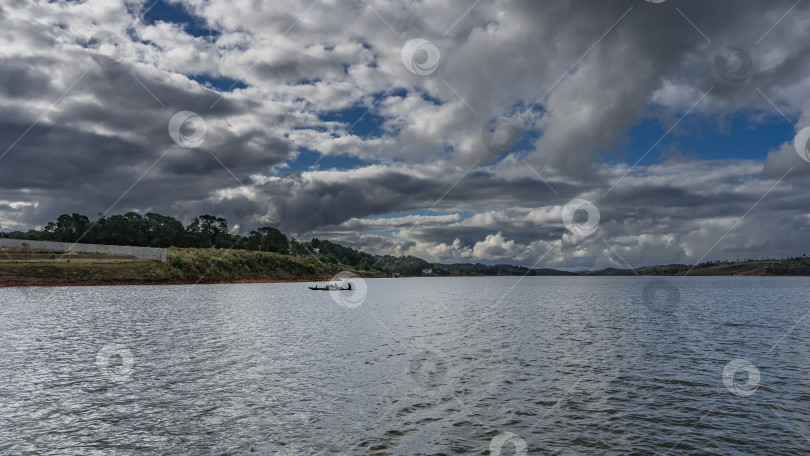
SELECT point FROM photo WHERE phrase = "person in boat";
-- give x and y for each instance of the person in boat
(349, 286)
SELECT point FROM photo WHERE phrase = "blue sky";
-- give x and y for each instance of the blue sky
(737, 137)
(178, 13)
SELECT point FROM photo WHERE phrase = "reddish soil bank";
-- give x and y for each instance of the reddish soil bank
(85, 283)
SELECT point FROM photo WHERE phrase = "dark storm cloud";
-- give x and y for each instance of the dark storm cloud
(330, 198)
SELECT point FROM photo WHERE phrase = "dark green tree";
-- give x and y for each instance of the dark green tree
(69, 228)
(208, 231)
(127, 229)
(163, 231)
(269, 240)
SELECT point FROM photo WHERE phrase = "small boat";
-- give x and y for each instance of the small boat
(331, 288)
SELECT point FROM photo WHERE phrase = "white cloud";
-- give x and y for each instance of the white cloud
(495, 247)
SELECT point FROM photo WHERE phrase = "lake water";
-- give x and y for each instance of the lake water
(571, 365)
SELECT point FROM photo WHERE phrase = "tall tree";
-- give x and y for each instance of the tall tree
(163, 231)
(69, 228)
(269, 240)
(208, 231)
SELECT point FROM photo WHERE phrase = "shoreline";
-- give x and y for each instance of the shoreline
(101, 283)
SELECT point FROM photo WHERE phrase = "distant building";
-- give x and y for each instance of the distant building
(427, 271)
(317, 250)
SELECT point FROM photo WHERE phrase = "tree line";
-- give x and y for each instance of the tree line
(155, 230)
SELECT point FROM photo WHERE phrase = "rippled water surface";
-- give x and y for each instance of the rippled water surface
(581, 365)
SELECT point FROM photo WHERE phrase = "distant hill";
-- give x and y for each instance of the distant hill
(553, 272)
(799, 266)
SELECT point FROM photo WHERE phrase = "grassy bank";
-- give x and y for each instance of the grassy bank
(226, 265)
(183, 266)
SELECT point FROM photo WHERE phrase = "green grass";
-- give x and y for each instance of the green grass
(182, 266)
(61, 271)
(219, 265)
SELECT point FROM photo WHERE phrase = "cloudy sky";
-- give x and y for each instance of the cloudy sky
(576, 134)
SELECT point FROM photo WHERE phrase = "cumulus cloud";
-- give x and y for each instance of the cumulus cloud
(495, 247)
